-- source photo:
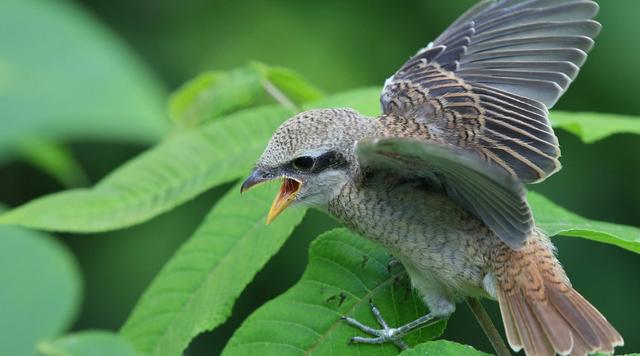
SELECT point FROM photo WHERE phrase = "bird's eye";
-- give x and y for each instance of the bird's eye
(304, 163)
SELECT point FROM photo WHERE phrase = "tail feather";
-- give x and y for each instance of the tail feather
(509, 324)
(576, 315)
(541, 312)
(601, 336)
(556, 328)
(533, 337)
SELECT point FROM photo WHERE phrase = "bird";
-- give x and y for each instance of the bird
(438, 179)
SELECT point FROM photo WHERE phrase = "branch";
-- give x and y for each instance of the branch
(487, 326)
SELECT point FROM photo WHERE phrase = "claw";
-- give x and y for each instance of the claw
(386, 334)
(378, 315)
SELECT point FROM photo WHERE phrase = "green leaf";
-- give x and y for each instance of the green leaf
(442, 348)
(555, 220)
(343, 273)
(592, 127)
(53, 159)
(213, 94)
(216, 93)
(186, 103)
(65, 76)
(159, 179)
(197, 288)
(293, 85)
(88, 343)
(41, 289)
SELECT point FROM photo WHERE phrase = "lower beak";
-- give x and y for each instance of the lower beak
(287, 194)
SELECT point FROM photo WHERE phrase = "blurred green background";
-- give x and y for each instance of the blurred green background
(337, 45)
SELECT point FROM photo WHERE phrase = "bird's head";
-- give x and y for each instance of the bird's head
(312, 153)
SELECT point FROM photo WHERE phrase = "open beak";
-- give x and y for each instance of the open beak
(287, 194)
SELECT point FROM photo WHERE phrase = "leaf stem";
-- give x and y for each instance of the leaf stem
(279, 96)
(487, 326)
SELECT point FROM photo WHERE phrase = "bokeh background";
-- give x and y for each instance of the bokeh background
(337, 45)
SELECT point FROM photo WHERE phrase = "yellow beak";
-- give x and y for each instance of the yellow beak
(287, 194)
(288, 191)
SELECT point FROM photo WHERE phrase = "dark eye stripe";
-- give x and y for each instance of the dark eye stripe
(329, 159)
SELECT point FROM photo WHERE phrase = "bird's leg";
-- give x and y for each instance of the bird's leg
(386, 334)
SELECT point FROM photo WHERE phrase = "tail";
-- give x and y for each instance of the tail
(541, 312)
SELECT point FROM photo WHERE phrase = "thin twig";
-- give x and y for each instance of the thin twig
(279, 96)
(487, 326)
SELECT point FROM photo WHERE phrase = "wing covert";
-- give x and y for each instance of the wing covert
(485, 191)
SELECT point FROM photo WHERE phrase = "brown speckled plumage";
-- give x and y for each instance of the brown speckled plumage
(456, 252)
(438, 178)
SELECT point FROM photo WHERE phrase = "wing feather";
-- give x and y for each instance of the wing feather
(487, 82)
(583, 43)
(484, 190)
(478, 98)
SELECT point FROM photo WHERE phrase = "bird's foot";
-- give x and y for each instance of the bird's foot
(386, 334)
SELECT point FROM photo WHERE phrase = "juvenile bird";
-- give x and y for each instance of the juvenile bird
(438, 179)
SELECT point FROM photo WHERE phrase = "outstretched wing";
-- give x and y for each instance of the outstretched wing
(484, 190)
(487, 82)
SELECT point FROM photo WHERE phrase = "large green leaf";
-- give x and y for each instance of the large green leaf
(40, 289)
(556, 220)
(344, 272)
(196, 290)
(168, 174)
(216, 93)
(65, 76)
(442, 348)
(213, 94)
(88, 343)
(293, 85)
(592, 127)
(158, 180)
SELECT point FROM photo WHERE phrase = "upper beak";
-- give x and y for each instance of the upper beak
(257, 176)
(287, 194)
